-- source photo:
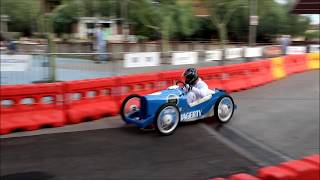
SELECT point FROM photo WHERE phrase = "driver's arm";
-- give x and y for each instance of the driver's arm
(201, 91)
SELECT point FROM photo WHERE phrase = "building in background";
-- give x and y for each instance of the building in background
(85, 27)
(4, 19)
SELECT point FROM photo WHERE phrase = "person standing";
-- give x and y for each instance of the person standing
(100, 44)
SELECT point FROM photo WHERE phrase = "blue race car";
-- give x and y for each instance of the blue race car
(166, 109)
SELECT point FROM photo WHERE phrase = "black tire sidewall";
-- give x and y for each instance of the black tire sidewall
(124, 102)
(157, 115)
(216, 116)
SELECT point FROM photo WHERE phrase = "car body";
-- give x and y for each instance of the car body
(175, 97)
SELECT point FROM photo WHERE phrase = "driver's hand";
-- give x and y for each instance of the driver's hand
(188, 87)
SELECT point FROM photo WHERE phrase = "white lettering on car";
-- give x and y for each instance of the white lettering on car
(191, 115)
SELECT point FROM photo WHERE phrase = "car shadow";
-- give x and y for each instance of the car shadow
(32, 175)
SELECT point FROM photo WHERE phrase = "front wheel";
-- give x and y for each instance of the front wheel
(224, 109)
(168, 118)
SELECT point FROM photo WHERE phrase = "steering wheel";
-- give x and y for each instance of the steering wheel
(184, 85)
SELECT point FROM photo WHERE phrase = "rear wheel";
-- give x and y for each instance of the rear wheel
(168, 118)
(130, 106)
(224, 109)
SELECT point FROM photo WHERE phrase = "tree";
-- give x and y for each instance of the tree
(221, 13)
(275, 19)
(168, 18)
(22, 14)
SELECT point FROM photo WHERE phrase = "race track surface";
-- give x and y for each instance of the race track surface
(273, 123)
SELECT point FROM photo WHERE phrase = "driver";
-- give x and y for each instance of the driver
(196, 87)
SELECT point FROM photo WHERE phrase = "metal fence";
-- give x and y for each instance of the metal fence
(76, 66)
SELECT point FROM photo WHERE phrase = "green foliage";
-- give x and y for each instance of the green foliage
(275, 19)
(313, 35)
(162, 19)
(22, 14)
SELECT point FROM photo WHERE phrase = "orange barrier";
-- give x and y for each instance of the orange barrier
(137, 84)
(307, 168)
(295, 63)
(212, 76)
(235, 77)
(90, 99)
(259, 72)
(243, 176)
(30, 107)
(168, 78)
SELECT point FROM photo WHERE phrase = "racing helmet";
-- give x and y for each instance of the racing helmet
(190, 76)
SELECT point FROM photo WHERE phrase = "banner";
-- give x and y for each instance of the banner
(252, 52)
(15, 62)
(213, 55)
(296, 49)
(141, 59)
(272, 51)
(179, 58)
(314, 48)
(233, 53)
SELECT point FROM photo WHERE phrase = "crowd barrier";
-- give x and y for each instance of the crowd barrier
(82, 100)
(30, 107)
(90, 99)
(307, 168)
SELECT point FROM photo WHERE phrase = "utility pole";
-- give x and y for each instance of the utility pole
(124, 14)
(253, 22)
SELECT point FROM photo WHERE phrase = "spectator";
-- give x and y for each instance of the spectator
(100, 44)
(285, 41)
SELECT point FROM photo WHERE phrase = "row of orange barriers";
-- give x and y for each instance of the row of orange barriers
(30, 107)
(307, 168)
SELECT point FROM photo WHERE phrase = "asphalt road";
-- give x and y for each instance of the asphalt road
(284, 114)
(273, 123)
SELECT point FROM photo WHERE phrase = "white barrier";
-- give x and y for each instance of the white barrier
(180, 58)
(141, 59)
(296, 50)
(214, 55)
(14, 62)
(233, 53)
(252, 52)
(314, 48)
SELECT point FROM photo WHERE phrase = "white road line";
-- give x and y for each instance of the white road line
(259, 144)
(233, 146)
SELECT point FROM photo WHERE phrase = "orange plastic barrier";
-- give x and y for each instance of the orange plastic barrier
(30, 107)
(243, 176)
(276, 173)
(137, 84)
(304, 170)
(259, 72)
(295, 63)
(235, 77)
(90, 99)
(212, 76)
(76, 101)
(169, 78)
(307, 168)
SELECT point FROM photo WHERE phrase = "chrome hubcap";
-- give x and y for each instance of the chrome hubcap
(168, 119)
(225, 109)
